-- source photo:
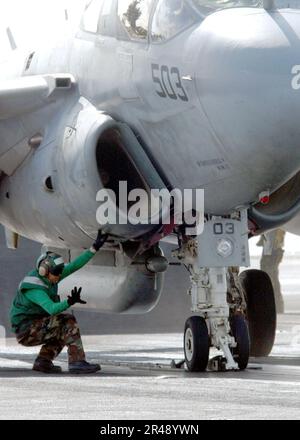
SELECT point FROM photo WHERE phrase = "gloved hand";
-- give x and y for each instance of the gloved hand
(75, 297)
(100, 240)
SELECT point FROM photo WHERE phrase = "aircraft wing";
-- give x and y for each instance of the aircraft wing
(26, 105)
(28, 94)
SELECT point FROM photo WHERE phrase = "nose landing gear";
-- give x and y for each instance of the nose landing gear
(214, 328)
(216, 324)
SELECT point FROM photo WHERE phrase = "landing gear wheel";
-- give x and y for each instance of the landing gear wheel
(261, 311)
(196, 344)
(239, 329)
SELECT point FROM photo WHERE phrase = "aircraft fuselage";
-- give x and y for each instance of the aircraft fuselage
(214, 106)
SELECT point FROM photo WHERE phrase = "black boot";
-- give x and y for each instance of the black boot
(45, 366)
(83, 367)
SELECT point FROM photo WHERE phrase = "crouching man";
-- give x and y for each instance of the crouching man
(36, 313)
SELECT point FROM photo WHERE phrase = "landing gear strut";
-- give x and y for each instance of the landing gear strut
(216, 325)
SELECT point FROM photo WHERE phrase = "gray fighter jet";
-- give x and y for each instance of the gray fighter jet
(161, 94)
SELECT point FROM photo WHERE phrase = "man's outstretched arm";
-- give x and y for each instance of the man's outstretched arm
(85, 257)
(41, 298)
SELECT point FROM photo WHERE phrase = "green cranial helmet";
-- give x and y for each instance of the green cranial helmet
(50, 263)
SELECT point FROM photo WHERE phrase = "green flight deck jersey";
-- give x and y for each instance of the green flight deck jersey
(37, 298)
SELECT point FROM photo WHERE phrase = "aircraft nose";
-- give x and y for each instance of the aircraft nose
(248, 83)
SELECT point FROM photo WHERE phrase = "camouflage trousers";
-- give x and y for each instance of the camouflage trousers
(54, 332)
(270, 264)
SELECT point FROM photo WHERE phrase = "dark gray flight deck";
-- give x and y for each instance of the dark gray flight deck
(137, 382)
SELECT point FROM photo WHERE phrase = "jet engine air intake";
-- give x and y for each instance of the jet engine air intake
(121, 158)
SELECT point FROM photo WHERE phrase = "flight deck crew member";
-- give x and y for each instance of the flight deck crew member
(272, 255)
(37, 315)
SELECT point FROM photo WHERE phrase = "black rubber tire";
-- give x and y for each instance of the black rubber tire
(261, 311)
(197, 359)
(241, 352)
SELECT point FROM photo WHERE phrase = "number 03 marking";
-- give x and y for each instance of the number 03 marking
(220, 228)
